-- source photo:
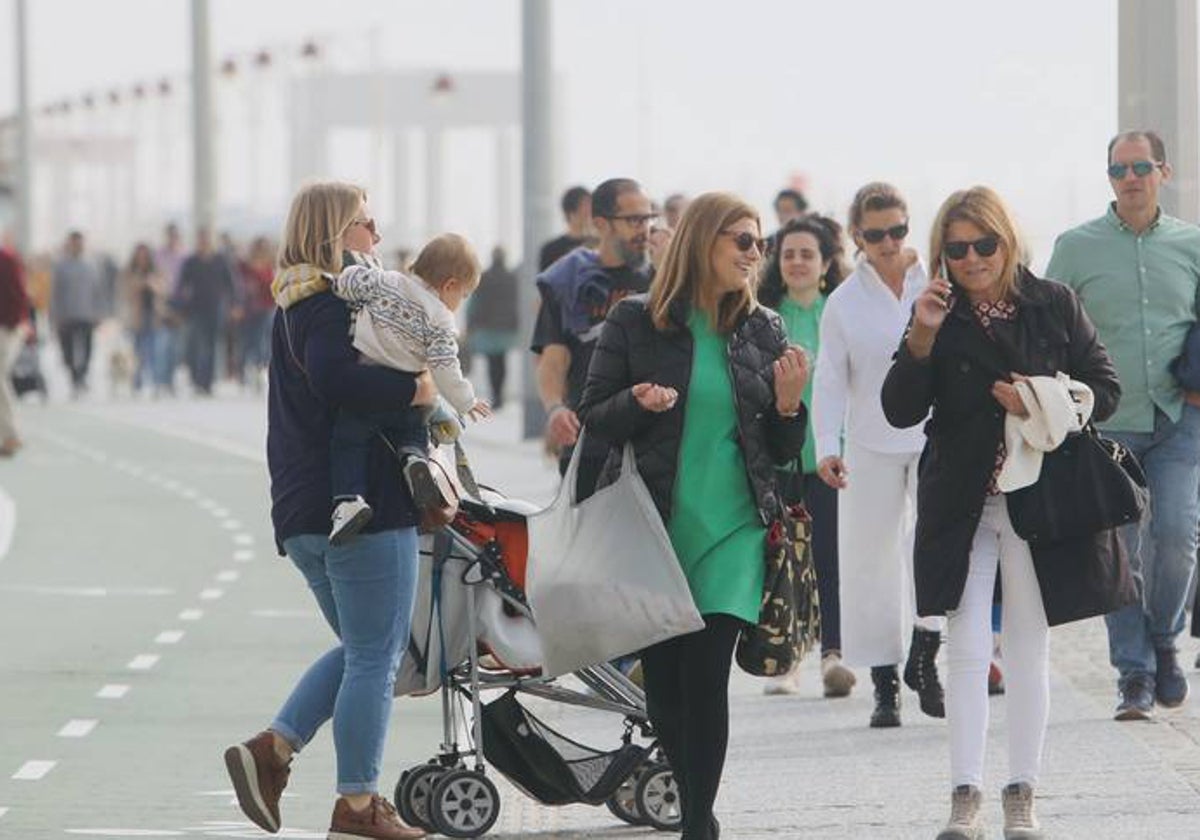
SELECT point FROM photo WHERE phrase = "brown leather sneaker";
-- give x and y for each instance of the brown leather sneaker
(259, 777)
(378, 821)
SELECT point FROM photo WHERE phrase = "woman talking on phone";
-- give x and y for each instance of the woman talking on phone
(876, 475)
(983, 322)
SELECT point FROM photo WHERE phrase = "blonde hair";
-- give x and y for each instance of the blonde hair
(686, 272)
(447, 257)
(317, 220)
(982, 207)
(877, 195)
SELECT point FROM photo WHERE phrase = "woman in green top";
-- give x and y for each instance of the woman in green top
(701, 380)
(805, 267)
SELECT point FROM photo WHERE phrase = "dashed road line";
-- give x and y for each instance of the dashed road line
(112, 691)
(143, 662)
(243, 539)
(191, 615)
(168, 637)
(8, 522)
(211, 594)
(243, 555)
(79, 728)
(32, 771)
(228, 576)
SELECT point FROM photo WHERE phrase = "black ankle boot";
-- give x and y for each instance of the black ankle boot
(887, 697)
(920, 672)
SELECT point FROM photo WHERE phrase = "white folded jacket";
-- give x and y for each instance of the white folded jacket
(1057, 405)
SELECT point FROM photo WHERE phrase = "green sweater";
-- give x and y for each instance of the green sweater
(803, 327)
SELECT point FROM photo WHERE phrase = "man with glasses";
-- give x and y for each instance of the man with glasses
(1137, 272)
(577, 292)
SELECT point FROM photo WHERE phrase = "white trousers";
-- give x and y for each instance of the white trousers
(10, 346)
(1025, 640)
(876, 518)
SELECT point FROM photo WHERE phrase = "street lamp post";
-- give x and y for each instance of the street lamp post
(203, 165)
(537, 142)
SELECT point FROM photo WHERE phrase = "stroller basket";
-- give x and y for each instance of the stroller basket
(547, 765)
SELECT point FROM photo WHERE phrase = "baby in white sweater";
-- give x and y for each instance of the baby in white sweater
(405, 322)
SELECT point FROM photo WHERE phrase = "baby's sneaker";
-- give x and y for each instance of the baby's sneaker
(349, 517)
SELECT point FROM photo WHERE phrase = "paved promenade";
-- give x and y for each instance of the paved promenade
(145, 622)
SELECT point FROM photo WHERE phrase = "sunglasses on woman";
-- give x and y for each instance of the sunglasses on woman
(984, 246)
(369, 224)
(746, 240)
(1141, 168)
(876, 235)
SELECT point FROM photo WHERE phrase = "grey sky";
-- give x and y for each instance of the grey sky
(930, 94)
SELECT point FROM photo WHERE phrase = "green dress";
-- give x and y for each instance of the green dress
(714, 525)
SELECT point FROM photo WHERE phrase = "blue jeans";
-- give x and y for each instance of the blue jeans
(366, 590)
(151, 345)
(1162, 548)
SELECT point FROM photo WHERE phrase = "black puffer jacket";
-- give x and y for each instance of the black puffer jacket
(631, 350)
(1078, 578)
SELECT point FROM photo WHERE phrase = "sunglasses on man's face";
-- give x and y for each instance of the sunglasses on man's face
(876, 235)
(985, 246)
(1141, 168)
(746, 240)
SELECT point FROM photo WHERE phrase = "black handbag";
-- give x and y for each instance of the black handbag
(789, 618)
(1089, 484)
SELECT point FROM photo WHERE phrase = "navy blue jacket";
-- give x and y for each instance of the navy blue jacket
(312, 375)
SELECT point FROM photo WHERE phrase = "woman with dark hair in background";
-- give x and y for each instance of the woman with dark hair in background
(804, 268)
(700, 379)
(143, 293)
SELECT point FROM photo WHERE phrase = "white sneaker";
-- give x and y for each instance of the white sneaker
(788, 683)
(349, 517)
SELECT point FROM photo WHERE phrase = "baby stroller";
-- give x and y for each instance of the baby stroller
(470, 597)
(26, 374)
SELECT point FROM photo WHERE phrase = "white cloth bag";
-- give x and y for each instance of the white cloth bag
(603, 579)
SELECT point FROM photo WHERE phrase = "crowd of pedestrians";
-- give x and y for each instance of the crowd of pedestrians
(838, 367)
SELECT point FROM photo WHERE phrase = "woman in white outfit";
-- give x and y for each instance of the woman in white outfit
(876, 473)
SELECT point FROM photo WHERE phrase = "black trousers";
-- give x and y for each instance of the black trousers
(821, 501)
(75, 339)
(687, 699)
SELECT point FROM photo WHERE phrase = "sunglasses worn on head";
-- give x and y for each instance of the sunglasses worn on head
(876, 235)
(984, 246)
(746, 240)
(1141, 168)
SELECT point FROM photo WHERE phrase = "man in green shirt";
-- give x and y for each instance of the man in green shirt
(1137, 272)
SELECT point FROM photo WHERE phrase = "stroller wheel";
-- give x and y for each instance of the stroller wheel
(413, 793)
(657, 798)
(623, 803)
(464, 804)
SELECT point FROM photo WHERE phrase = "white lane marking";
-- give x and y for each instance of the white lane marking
(3, 811)
(257, 454)
(168, 637)
(173, 485)
(190, 494)
(243, 555)
(231, 525)
(112, 691)
(32, 771)
(8, 522)
(79, 728)
(243, 539)
(219, 512)
(211, 594)
(269, 613)
(228, 576)
(143, 662)
(89, 591)
(191, 615)
(207, 504)
(127, 832)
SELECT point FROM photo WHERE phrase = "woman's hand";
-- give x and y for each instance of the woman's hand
(1009, 398)
(932, 305)
(833, 472)
(655, 398)
(791, 375)
(426, 391)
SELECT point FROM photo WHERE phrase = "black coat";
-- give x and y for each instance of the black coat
(632, 350)
(1078, 579)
